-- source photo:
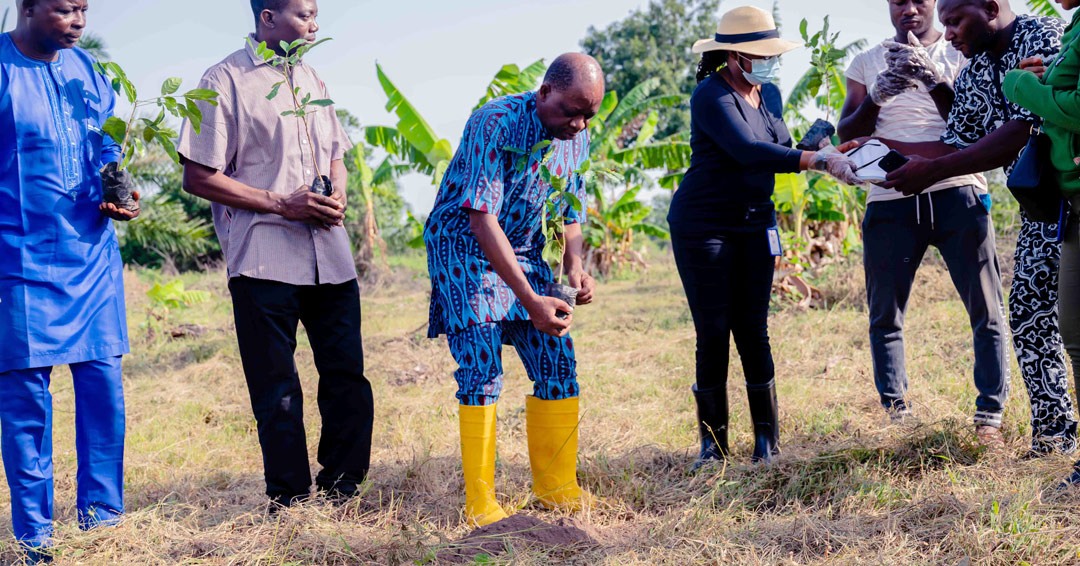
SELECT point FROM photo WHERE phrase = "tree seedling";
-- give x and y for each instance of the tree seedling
(303, 104)
(118, 185)
(559, 200)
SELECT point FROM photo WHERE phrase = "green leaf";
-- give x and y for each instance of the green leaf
(511, 80)
(541, 145)
(171, 85)
(274, 91)
(195, 116)
(203, 94)
(652, 230)
(574, 202)
(116, 128)
(610, 102)
(431, 150)
(167, 143)
(324, 102)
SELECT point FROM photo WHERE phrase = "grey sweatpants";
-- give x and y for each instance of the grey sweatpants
(896, 235)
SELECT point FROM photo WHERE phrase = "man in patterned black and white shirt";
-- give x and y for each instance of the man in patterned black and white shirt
(985, 131)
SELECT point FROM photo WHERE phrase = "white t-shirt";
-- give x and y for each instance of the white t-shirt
(912, 116)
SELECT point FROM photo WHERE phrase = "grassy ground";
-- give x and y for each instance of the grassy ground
(848, 489)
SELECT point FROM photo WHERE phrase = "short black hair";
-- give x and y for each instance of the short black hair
(560, 75)
(569, 68)
(257, 7)
(27, 4)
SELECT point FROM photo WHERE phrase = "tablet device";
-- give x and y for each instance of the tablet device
(868, 158)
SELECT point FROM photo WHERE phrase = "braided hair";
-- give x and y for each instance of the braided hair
(711, 61)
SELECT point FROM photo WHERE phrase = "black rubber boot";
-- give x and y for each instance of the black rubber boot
(712, 420)
(1073, 481)
(766, 426)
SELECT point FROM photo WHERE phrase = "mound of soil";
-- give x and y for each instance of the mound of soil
(519, 531)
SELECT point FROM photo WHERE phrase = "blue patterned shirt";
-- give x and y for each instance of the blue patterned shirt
(483, 176)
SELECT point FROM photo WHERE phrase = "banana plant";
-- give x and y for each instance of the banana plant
(626, 155)
(1043, 8)
(368, 185)
(413, 141)
(511, 80)
(610, 230)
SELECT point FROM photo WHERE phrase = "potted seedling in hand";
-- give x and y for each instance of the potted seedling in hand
(559, 200)
(118, 185)
(303, 105)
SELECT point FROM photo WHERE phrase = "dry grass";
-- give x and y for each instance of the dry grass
(847, 490)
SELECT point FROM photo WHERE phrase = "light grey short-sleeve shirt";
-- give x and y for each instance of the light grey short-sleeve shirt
(246, 137)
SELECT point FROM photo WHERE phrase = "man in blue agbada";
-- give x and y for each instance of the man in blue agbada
(61, 278)
(485, 240)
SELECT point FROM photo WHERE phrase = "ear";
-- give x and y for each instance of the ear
(266, 18)
(544, 92)
(993, 9)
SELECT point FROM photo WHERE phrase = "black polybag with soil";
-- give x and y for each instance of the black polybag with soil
(118, 187)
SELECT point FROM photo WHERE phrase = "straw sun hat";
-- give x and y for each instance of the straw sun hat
(747, 30)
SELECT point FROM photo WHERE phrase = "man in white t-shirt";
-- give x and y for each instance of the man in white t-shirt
(952, 215)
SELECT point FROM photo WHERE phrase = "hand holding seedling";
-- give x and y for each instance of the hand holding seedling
(544, 313)
(121, 201)
(119, 213)
(584, 283)
(302, 103)
(312, 208)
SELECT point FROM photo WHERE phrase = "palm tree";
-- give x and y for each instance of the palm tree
(94, 45)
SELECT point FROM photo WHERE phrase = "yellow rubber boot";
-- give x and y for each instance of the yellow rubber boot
(478, 463)
(552, 427)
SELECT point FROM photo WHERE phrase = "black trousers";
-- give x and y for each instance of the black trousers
(728, 282)
(267, 313)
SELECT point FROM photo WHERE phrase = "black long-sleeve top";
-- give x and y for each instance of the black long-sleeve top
(736, 152)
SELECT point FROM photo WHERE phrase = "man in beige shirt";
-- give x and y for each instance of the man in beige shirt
(288, 254)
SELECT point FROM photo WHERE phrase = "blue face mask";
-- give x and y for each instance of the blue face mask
(763, 70)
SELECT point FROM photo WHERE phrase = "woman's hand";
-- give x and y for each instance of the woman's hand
(1035, 65)
(830, 160)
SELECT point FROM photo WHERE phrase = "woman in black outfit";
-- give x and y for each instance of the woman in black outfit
(722, 214)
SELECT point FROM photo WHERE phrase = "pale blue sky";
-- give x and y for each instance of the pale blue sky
(440, 53)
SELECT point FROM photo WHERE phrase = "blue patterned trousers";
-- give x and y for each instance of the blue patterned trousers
(549, 361)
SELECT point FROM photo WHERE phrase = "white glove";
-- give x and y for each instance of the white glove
(888, 86)
(830, 160)
(913, 61)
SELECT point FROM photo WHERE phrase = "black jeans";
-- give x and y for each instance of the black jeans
(896, 236)
(728, 282)
(267, 313)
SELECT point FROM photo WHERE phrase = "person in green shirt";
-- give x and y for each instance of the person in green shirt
(1049, 90)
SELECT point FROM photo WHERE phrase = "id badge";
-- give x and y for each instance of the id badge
(774, 242)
